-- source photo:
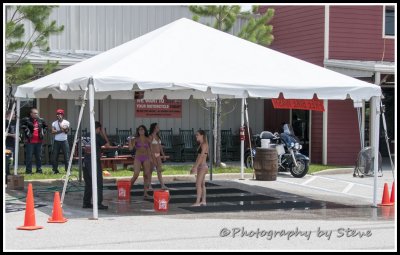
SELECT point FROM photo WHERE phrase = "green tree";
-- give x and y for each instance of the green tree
(256, 30)
(20, 70)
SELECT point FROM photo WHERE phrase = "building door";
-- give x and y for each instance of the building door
(300, 123)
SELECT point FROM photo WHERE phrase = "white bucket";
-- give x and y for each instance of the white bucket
(265, 143)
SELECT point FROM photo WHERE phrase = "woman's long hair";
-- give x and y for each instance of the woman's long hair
(152, 127)
(146, 134)
(203, 133)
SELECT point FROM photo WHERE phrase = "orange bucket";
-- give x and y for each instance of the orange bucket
(161, 199)
(124, 189)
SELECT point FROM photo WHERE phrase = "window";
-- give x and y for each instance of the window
(389, 21)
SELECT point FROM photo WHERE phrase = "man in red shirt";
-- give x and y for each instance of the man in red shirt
(34, 129)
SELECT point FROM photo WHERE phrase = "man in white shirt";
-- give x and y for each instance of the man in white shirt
(60, 129)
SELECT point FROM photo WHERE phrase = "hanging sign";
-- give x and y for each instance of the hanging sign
(314, 104)
(158, 108)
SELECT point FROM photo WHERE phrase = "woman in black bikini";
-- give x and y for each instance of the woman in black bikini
(141, 143)
(200, 168)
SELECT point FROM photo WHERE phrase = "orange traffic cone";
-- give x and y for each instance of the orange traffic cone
(392, 194)
(387, 212)
(57, 211)
(30, 222)
(385, 197)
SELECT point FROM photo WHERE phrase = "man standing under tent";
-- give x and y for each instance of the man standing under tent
(60, 129)
(34, 129)
(101, 139)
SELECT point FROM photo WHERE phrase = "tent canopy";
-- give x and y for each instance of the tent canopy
(193, 59)
(185, 58)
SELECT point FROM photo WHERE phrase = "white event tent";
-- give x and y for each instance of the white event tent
(184, 59)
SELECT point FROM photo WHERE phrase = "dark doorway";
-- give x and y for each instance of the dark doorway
(300, 124)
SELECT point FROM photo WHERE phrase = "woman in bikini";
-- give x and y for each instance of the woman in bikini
(157, 153)
(141, 143)
(200, 168)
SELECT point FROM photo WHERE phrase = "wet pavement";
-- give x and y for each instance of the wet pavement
(223, 197)
(314, 203)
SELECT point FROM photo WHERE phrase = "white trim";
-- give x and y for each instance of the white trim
(384, 22)
(326, 33)
(325, 134)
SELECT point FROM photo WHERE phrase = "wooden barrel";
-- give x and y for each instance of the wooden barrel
(266, 164)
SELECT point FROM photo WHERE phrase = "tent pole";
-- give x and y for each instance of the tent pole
(375, 111)
(360, 126)
(211, 141)
(248, 132)
(80, 153)
(10, 118)
(71, 156)
(93, 148)
(242, 143)
(17, 136)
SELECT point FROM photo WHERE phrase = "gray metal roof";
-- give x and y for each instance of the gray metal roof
(65, 57)
(359, 68)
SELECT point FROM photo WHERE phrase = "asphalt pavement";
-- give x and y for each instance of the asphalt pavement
(327, 211)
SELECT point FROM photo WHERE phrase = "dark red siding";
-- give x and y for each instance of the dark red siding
(273, 118)
(355, 33)
(299, 31)
(316, 137)
(343, 133)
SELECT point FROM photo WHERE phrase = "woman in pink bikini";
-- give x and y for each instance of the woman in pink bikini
(200, 168)
(157, 153)
(141, 143)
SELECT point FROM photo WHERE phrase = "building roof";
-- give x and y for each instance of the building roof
(64, 57)
(358, 68)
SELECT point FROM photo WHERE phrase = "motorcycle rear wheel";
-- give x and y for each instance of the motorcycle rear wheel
(247, 160)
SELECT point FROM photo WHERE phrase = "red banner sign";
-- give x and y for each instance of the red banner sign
(163, 108)
(302, 104)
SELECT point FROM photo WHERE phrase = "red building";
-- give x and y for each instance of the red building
(354, 40)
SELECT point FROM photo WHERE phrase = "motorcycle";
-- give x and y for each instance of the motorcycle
(289, 157)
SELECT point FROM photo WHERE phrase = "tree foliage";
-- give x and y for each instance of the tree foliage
(255, 30)
(20, 70)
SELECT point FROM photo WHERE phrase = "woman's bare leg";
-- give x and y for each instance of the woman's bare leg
(147, 171)
(150, 175)
(136, 172)
(203, 197)
(199, 186)
(159, 174)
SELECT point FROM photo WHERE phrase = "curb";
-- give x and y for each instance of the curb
(335, 171)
